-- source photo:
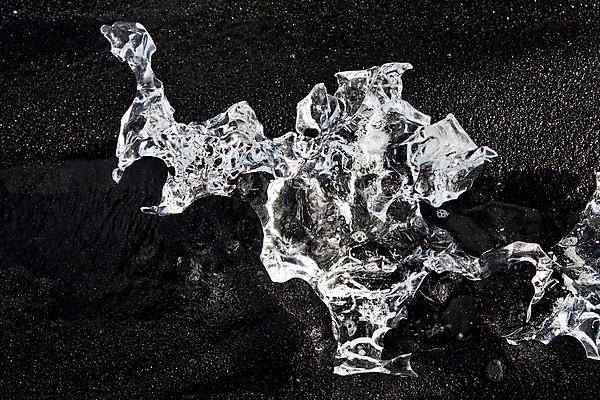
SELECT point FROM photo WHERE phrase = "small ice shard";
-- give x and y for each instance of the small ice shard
(512, 255)
(341, 207)
(577, 314)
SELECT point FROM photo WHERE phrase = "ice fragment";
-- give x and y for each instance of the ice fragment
(342, 204)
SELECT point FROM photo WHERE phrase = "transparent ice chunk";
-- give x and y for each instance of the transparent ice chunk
(341, 209)
(577, 314)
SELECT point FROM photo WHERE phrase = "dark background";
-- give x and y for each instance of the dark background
(98, 300)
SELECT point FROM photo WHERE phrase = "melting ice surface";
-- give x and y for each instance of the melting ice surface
(340, 209)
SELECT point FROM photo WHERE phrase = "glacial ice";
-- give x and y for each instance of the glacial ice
(342, 204)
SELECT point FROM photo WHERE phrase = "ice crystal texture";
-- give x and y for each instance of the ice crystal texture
(341, 207)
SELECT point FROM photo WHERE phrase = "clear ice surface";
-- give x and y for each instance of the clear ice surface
(341, 209)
